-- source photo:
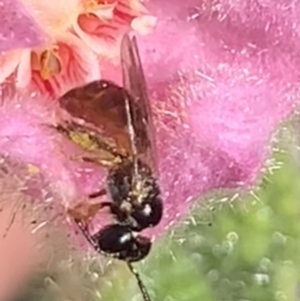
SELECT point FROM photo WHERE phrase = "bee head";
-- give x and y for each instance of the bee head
(149, 213)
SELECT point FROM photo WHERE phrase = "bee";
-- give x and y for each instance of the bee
(118, 134)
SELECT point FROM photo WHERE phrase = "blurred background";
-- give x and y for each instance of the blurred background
(232, 246)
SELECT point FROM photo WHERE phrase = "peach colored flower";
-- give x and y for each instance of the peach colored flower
(52, 68)
(78, 31)
(99, 23)
(61, 62)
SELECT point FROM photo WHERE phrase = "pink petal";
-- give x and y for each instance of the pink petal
(222, 78)
(18, 29)
(25, 137)
(31, 216)
(103, 43)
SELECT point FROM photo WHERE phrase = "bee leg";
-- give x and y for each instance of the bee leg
(106, 163)
(84, 230)
(97, 194)
(92, 159)
(114, 209)
(84, 212)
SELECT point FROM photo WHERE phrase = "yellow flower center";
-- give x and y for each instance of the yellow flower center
(91, 5)
(94, 5)
(103, 9)
(47, 62)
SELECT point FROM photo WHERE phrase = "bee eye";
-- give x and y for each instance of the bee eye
(148, 215)
(120, 241)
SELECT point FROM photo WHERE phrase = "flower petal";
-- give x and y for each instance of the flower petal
(24, 70)
(217, 98)
(106, 11)
(104, 41)
(220, 86)
(18, 29)
(144, 25)
(54, 16)
(26, 138)
(78, 65)
(8, 63)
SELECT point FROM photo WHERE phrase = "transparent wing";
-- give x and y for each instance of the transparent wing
(121, 116)
(138, 108)
(101, 104)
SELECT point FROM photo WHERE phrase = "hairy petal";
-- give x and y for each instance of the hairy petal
(221, 84)
(26, 135)
(32, 220)
(228, 76)
(18, 28)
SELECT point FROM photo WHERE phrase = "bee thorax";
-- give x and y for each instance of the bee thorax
(135, 196)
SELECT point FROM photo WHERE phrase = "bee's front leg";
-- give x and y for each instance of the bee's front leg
(84, 212)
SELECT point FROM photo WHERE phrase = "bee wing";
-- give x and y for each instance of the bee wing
(121, 116)
(139, 115)
(101, 105)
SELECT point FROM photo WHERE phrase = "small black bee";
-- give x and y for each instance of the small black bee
(118, 134)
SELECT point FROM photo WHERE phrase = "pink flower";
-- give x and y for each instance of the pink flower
(218, 97)
(221, 75)
(221, 95)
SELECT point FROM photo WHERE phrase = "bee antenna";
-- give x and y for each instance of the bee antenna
(141, 285)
